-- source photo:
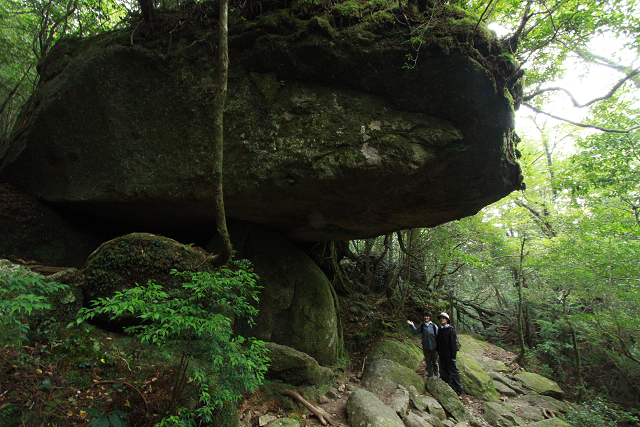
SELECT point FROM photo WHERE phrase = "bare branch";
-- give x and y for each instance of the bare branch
(582, 125)
(613, 90)
(605, 62)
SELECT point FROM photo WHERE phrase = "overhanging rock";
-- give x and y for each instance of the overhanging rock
(327, 136)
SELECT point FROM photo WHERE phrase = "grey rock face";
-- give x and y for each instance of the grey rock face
(413, 420)
(504, 389)
(434, 408)
(325, 138)
(448, 399)
(497, 415)
(365, 409)
(540, 384)
(400, 401)
(382, 377)
(295, 367)
(298, 307)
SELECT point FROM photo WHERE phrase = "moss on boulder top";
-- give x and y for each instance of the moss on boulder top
(332, 132)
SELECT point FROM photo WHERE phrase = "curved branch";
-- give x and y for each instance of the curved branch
(605, 62)
(613, 90)
(582, 125)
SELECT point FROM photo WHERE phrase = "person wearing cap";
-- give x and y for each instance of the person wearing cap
(428, 330)
(447, 350)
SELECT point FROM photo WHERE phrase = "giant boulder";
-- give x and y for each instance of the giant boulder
(327, 135)
(298, 306)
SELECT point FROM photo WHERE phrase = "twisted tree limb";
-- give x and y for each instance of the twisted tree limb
(318, 412)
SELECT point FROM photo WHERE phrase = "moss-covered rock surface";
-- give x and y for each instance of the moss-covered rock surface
(336, 127)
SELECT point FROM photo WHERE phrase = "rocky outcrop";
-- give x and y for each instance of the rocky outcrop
(448, 399)
(499, 416)
(365, 409)
(475, 379)
(406, 354)
(381, 376)
(540, 384)
(327, 136)
(30, 230)
(295, 367)
(298, 306)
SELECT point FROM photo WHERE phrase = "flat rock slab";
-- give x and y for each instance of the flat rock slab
(406, 354)
(475, 379)
(366, 410)
(448, 399)
(539, 401)
(499, 416)
(295, 367)
(540, 384)
(504, 389)
(382, 376)
(551, 422)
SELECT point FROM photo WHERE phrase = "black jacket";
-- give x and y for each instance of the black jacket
(446, 342)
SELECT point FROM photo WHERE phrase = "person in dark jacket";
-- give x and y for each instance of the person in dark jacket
(428, 330)
(447, 350)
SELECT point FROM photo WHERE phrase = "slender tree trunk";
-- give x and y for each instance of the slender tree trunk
(576, 354)
(520, 355)
(218, 137)
(368, 244)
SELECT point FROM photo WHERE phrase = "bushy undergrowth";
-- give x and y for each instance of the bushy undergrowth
(22, 294)
(599, 413)
(179, 365)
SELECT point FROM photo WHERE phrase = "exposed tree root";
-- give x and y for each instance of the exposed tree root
(318, 412)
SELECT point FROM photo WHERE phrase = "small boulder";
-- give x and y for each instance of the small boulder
(434, 408)
(494, 365)
(471, 346)
(285, 422)
(406, 354)
(382, 376)
(551, 422)
(499, 416)
(540, 384)
(433, 420)
(475, 379)
(529, 414)
(412, 420)
(504, 389)
(546, 402)
(416, 400)
(400, 401)
(295, 367)
(365, 409)
(448, 399)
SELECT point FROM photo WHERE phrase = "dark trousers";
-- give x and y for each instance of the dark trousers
(431, 360)
(449, 373)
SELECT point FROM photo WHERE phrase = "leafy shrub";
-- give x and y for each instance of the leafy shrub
(196, 322)
(598, 413)
(21, 295)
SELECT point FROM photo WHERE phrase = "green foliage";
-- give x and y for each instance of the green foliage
(22, 295)
(599, 413)
(197, 320)
(103, 419)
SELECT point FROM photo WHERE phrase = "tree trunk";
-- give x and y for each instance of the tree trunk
(576, 354)
(520, 355)
(218, 137)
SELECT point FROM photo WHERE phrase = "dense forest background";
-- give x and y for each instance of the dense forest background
(552, 271)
